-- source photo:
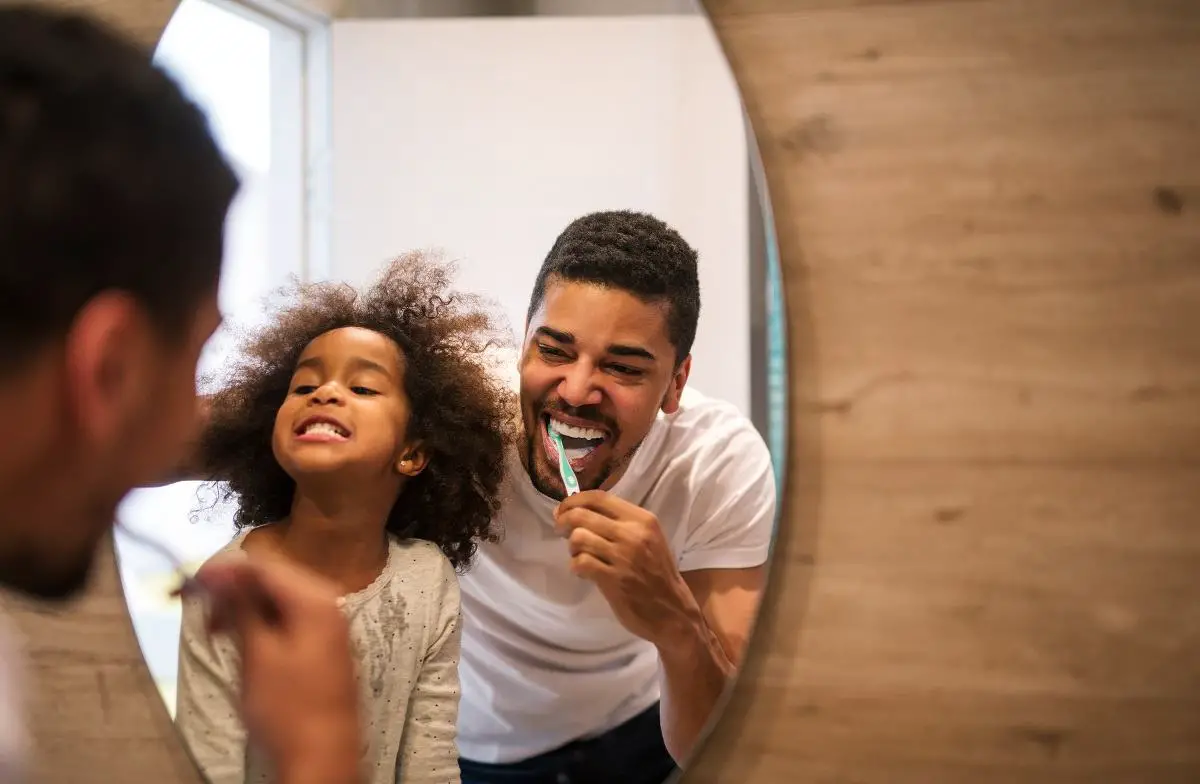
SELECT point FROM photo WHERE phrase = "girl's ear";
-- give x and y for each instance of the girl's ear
(412, 460)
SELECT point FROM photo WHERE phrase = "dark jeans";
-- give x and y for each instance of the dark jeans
(632, 753)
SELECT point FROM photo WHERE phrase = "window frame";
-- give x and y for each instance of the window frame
(316, 110)
(311, 247)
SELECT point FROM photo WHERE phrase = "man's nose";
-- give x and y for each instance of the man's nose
(578, 387)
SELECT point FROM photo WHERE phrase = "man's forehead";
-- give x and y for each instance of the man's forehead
(588, 314)
(565, 299)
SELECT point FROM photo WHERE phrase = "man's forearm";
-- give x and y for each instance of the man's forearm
(695, 671)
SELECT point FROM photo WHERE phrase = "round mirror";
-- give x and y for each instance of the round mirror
(486, 133)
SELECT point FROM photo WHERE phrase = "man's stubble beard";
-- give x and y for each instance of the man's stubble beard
(549, 487)
(27, 570)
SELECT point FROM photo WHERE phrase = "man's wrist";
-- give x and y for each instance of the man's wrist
(684, 634)
(686, 640)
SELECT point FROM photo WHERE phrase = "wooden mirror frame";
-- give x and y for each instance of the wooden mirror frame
(988, 214)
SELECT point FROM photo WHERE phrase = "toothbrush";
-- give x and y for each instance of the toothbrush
(187, 583)
(564, 465)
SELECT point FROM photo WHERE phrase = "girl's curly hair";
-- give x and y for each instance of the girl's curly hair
(461, 412)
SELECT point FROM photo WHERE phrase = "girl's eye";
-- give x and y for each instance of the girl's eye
(363, 391)
(304, 389)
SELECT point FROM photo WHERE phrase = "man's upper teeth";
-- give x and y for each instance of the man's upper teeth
(562, 428)
(323, 427)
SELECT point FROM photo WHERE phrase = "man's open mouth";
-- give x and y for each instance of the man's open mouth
(579, 440)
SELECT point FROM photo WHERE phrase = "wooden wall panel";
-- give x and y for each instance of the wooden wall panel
(992, 243)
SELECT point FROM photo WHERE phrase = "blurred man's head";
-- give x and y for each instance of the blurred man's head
(112, 207)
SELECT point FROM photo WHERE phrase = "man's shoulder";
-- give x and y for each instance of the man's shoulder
(705, 424)
(713, 448)
(692, 399)
(712, 481)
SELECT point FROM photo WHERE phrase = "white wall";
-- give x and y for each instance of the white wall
(486, 137)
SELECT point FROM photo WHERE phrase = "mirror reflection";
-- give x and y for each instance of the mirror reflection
(503, 359)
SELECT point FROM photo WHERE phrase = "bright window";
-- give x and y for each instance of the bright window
(264, 110)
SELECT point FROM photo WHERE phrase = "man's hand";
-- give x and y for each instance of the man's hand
(621, 548)
(299, 698)
(699, 622)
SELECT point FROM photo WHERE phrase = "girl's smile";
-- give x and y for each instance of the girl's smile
(322, 429)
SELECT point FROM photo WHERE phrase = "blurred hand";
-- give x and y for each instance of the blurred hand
(299, 697)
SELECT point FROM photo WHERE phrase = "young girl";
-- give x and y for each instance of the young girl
(362, 436)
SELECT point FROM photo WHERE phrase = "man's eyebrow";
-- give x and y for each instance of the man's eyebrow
(630, 351)
(556, 334)
(616, 349)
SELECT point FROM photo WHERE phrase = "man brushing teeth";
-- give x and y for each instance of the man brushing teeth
(602, 629)
(583, 440)
(580, 441)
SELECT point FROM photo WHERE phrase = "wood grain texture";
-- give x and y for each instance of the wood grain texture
(989, 218)
(990, 223)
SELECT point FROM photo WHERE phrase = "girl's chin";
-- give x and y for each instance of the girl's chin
(309, 468)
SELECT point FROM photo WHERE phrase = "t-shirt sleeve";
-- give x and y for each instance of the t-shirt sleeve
(732, 519)
(207, 699)
(428, 750)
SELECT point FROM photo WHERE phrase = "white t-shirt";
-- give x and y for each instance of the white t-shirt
(544, 660)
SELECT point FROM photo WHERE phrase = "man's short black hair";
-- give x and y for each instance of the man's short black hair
(634, 252)
(109, 180)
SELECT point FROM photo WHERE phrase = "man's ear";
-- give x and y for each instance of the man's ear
(412, 460)
(106, 351)
(670, 403)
